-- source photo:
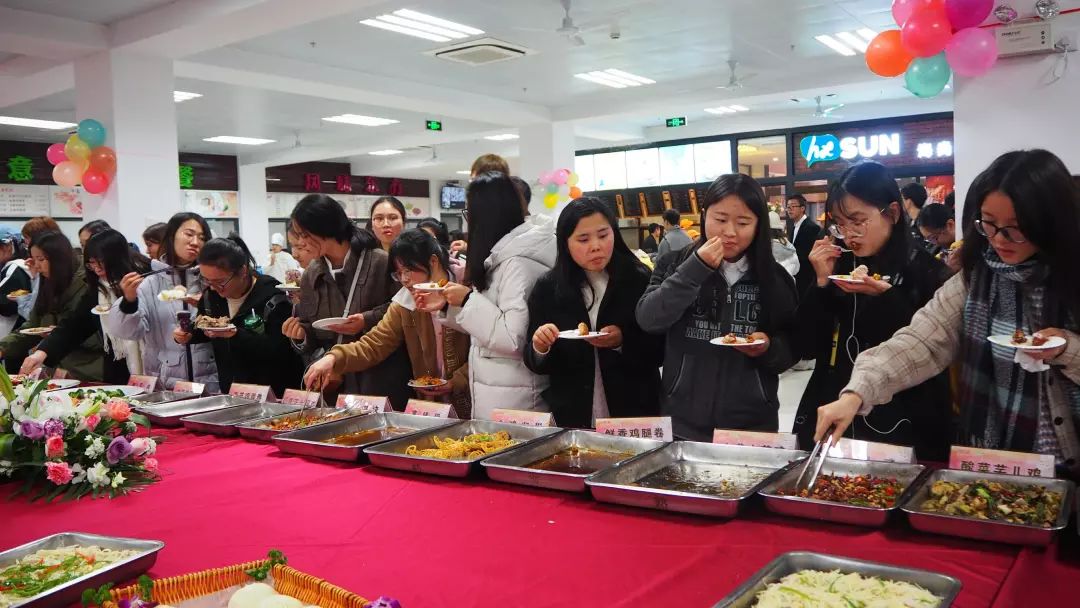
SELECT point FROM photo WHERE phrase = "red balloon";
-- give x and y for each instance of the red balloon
(55, 153)
(103, 158)
(886, 56)
(95, 182)
(927, 32)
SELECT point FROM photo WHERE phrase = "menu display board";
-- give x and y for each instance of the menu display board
(281, 204)
(677, 164)
(18, 200)
(66, 202)
(583, 166)
(711, 160)
(642, 168)
(210, 203)
(610, 171)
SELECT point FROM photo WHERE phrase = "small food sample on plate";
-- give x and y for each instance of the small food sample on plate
(860, 273)
(813, 588)
(18, 293)
(48, 568)
(208, 322)
(468, 447)
(1019, 337)
(1030, 505)
(428, 381)
(578, 461)
(370, 436)
(442, 282)
(582, 329)
(858, 490)
(174, 294)
(37, 331)
(102, 308)
(1038, 340)
(290, 284)
(722, 481)
(290, 422)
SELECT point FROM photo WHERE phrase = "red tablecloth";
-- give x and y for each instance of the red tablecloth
(430, 541)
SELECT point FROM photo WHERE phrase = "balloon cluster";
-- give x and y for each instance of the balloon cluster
(559, 186)
(84, 159)
(935, 39)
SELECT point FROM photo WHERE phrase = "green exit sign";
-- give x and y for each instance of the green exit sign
(433, 125)
(678, 121)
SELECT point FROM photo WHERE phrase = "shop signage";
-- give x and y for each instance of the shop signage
(786, 441)
(824, 148)
(366, 404)
(433, 125)
(187, 176)
(434, 409)
(981, 460)
(678, 121)
(20, 169)
(526, 417)
(645, 428)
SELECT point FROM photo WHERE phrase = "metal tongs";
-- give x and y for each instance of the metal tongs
(304, 408)
(821, 448)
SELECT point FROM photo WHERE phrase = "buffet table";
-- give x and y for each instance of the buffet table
(431, 541)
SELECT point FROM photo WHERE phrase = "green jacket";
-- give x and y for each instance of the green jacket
(84, 362)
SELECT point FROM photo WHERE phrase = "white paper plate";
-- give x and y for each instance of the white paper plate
(433, 287)
(99, 313)
(572, 334)
(719, 342)
(37, 331)
(327, 322)
(844, 278)
(284, 287)
(1052, 342)
(217, 330)
(15, 298)
(442, 382)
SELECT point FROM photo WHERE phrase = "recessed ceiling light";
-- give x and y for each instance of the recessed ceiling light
(727, 109)
(423, 26)
(739, 108)
(616, 79)
(243, 141)
(182, 96)
(503, 137)
(15, 121)
(853, 41)
(385, 152)
(846, 43)
(358, 119)
(464, 172)
(867, 33)
(835, 45)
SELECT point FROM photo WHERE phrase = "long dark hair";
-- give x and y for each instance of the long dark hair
(874, 185)
(569, 277)
(57, 249)
(414, 248)
(394, 202)
(439, 228)
(322, 216)
(230, 254)
(494, 210)
(168, 241)
(1047, 204)
(110, 248)
(94, 227)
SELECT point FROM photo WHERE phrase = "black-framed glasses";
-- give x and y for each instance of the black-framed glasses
(990, 230)
(219, 285)
(399, 276)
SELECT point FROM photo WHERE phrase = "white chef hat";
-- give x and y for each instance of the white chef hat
(277, 239)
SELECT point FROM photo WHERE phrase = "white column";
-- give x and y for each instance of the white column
(132, 95)
(254, 211)
(545, 146)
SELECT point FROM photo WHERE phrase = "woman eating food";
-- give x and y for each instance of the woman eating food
(435, 352)
(596, 281)
(14, 279)
(33, 227)
(845, 316)
(387, 220)
(1019, 272)
(725, 283)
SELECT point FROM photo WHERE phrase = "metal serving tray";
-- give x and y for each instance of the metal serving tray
(613, 485)
(392, 453)
(69, 592)
(160, 397)
(312, 441)
(945, 587)
(223, 422)
(984, 529)
(906, 474)
(252, 429)
(513, 467)
(169, 414)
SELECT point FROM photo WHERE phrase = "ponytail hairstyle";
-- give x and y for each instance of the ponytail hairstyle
(230, 254)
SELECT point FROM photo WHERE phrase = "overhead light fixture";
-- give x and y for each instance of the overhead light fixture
(776, 159)
(243, 141)
(273, 179)
(182, 96)
(15, 121)
(747, 148)
(616, 79)
(385, 152)
(464, 172)
(848, 44)
(503, 137)
(853, 41)
(739, 108)
(727, 109)
(416, 24)
(358, 119)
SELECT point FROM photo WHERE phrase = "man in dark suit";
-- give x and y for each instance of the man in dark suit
(802, 234)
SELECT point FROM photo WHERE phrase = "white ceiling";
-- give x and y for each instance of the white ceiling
(274, 68)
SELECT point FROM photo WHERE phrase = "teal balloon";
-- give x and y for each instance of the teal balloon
(92, 132)
(926, 77)
(552, 188)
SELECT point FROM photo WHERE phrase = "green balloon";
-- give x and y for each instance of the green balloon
(552, 188)
(926, 77)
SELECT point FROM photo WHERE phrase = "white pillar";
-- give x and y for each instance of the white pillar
(545, 146)
(254, 211)
(132, 95)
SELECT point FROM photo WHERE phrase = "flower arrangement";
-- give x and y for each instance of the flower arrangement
(69, 447)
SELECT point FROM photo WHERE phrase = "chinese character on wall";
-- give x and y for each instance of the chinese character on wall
(312, 182)
(187, 176)
(20, 168)
(344, 183)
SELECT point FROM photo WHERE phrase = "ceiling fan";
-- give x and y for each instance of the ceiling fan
(434, 160)
(821, 111)
(735, 81)
(572, 31)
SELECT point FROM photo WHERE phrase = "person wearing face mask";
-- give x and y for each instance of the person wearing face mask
(434, 350)
(726, 283)
(253, 350)
(387, 220)
(13, 277)
(1021, 243)
(868, 219)
(144, 315)
(597, 281)
(280, 262)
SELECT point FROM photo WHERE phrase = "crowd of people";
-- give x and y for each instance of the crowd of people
(366, 318)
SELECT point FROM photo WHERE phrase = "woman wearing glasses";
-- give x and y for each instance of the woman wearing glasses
(253, 350)
(843, 318)
(1021, 243)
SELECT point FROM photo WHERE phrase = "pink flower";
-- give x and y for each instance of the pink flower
(54, 447)
(151, 465)
(118, 410)
(92, 421)
(143, 446)
(58, 472)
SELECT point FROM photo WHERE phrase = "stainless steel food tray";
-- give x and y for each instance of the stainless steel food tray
(392, 453)
(169, 414)
(252, 429)
(945, 587)
(906, 474)
(984, 529)
(223, 422)
(511, 467)
(69, 592)
(312, 441)
(160, 397)
(613, 485)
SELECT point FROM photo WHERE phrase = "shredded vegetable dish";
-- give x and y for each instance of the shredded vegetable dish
(858, 490)
(48, 568)
(1030, 505)
(817, 589)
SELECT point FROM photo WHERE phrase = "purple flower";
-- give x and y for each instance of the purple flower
(54, 427)
(385, 602)
(119, 449)
(32, 430)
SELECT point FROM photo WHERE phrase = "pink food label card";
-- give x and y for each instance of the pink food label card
(433, 409)
(644, 428)
(525, 417)
(786, 441)
(981, 460)
(367, 404)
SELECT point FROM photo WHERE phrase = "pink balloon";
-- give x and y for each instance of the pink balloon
(67, 174)
(95, 182)
(926, 32)
(902, 9)
(561, 176)
(56, 154)
(967, 13)
(546, 178)
(972, 52)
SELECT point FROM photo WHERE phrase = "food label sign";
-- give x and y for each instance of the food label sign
(147, 383)
(869, 450)
(644, 428)
(981, 460)
(525, 417)
(433, 409)
(256, 392)
(183, 386)
(294, 396)
(785, 441)
(366, 404)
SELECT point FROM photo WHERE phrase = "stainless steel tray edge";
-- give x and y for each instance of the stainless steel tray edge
(251, 429)
(223, 422)
(167, 414)
(298, 442)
